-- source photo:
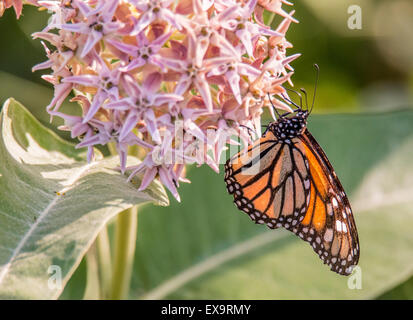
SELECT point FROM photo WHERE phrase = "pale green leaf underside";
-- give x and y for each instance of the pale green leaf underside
(204, 248)
(39, 228)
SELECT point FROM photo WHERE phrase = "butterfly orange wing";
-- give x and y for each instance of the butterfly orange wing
(270, 182)
(328, 224)
(294, 186)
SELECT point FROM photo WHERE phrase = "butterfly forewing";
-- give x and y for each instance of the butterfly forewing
(290, 183)
(270, 182)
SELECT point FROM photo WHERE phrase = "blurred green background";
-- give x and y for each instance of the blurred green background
(363, 120)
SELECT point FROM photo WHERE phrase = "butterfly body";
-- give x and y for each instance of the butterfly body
(286, 129)
(284, 179)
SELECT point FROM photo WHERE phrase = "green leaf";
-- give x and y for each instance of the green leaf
(43, 233)
(204, 248)
(403, 291)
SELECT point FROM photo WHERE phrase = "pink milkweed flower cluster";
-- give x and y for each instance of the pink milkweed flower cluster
(16, 4)
(175, 78)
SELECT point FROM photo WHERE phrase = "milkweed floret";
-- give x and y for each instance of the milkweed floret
(176, 78)
(16, 4)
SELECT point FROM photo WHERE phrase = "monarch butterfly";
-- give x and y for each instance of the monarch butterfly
(284, 179)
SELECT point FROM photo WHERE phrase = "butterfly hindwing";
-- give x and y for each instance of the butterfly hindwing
(329, 224)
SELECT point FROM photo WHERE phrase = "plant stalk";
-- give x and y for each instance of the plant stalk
(104, 262)
(125, 242)
(271, 19)
(92, 291)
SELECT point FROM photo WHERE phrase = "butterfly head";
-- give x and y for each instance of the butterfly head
(293, 124)
(288, 127)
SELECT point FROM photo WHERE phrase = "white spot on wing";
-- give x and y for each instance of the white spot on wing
(338, 226)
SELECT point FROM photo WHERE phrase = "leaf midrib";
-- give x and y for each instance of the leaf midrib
(213, 262)
(178, 281)
(41, 217)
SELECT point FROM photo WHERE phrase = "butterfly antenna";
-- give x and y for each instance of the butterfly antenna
(316, 83)
(306, 98)
(272, 104)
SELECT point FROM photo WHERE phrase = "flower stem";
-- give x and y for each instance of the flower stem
(92, 291)
(104, 262)
(112, 148)
(125, 241)
(271, 19)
